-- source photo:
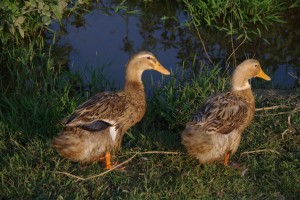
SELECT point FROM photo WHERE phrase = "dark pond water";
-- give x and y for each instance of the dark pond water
(105, 38)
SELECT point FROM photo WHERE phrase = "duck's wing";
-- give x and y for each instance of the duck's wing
(99, 112)
(221, 114)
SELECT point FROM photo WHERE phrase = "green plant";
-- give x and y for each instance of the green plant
(27, 17)
(36, 93)
(175, 102)
(238, 18)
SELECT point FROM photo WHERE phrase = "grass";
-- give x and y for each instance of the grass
(29, 166)
(37, 93)
(241, 19)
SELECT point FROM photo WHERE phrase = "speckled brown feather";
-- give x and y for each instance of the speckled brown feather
(222, 113)
(216, 127)
(78, 143)
(98, 125)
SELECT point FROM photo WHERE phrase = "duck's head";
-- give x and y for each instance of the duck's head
(142, 61)
(248, 69)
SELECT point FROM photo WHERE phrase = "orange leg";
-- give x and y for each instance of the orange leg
(107, 161)
(108, 165)
(226, 158)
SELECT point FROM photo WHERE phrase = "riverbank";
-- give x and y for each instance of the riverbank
(38, 91)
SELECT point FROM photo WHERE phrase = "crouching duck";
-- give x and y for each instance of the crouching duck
(96, 128)
(215, 131)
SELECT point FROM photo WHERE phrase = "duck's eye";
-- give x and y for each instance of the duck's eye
(148, 57)
(256, 65)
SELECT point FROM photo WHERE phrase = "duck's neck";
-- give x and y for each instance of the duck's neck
(134, 86)
(245, 92)
(242, 88)
(133, 80)
(239, 83)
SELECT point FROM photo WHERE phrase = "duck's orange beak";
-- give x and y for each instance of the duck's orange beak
(263, 75)
(158, 67)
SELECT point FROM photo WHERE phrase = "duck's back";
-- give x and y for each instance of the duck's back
(217, 126)
(98, 125)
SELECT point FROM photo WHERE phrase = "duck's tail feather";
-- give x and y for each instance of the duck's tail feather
(81, 145)
(197, 144)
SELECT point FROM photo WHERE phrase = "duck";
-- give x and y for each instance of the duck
(214, 132)
(95, 129)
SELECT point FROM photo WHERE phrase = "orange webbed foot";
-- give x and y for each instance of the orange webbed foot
(230, 164)
(108, 165)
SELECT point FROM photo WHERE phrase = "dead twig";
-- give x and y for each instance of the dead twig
(272, 107)
(71, 175)
(280, 113)
(291, 128)
(274, 114)
(158, 152)
(97, 175)
(234, 50)
(117, 166)
(259, 151)
(293, 75)
(199, 35)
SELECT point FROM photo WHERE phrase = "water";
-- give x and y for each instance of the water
(96, 39)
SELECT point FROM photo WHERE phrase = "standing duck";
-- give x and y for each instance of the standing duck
(97, 126)
(215, 130)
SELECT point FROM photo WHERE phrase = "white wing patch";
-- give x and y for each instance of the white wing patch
(112, 129)
(113, 133)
